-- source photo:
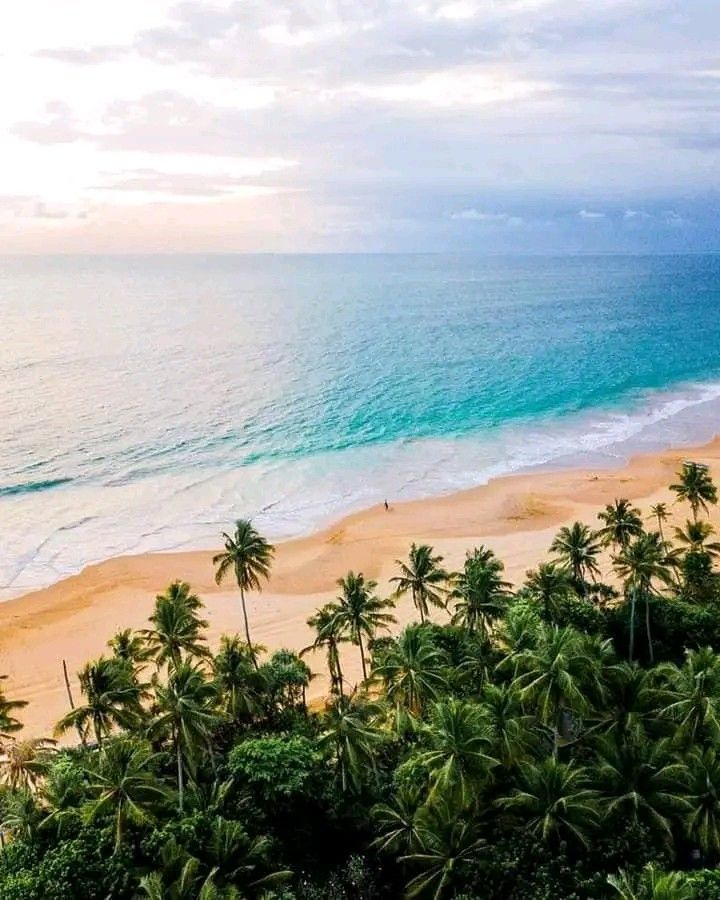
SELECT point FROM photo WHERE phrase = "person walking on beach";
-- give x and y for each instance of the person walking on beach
(387, 507)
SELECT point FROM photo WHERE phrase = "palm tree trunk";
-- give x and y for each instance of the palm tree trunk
(631, 642)
(98, 733)
(362, 657)
(647, 627)
(419, 607)
(247, 628)
(178, 757)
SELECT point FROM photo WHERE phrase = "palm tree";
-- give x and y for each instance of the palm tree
(238, 859)
(131, 647)
(651, 883)
(124, 784)
(113, 699)
(8, 723)
(480, 593)
(639, 564)
(26, 763)
(659, 512)
(458, 756)
(359, 612)
(696, 486)
(239, 684)
(694, 537)
(695, 697)
(177, 628)
(446, 842)
(622, 522)
(399, 821)
(642, 782)
(412, 670)
(352, 742)
(577, 549)
(423, 577)
(557, 675)
(180, 878)
(511, 729)
(554, 801)
(634, 701)
(186, 713)
(329, 636)
(248, 556)
(549, 585)
(703, 819)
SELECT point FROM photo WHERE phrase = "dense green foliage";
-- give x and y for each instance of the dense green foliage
(561, 740)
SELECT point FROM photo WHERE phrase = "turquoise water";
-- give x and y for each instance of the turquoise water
(147, 401)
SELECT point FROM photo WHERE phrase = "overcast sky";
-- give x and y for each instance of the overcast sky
(496, 125)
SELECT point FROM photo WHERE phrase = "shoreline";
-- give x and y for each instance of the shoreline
(517, 515)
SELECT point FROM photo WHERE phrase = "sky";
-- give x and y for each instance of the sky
(360, 125)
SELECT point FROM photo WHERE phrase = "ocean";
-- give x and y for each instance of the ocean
(148, 401)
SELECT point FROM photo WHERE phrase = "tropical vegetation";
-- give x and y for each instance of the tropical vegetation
(558, 738)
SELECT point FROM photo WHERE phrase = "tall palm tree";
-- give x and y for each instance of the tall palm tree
(112, 700)
(185, 713)
(248, 556)
(577, 548)
(549, 585)
(329, 636)
(446, 842)
(412, 670)
(360, 613)
(695, 485)
(640, 564)
(423, 577)
(458, 758)
(124, 784)
(239, 684)
(659, 512)
(622, 522)
(176, 627)
(554, 801)
(480, 592)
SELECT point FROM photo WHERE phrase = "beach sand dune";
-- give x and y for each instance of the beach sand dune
(517, 516)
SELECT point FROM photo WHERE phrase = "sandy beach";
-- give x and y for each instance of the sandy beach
(517, 516)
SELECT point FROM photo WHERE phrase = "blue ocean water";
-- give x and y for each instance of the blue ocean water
(148, 401)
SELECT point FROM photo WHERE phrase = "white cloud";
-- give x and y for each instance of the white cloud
(590, 215)
(476, 215)
(462, 86)
(636, 214)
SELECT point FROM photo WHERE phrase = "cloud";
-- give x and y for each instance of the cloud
(635, 214)
(391, 113)
(475, 215)
(84, 56)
